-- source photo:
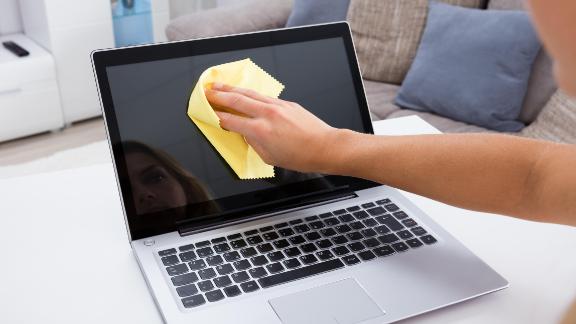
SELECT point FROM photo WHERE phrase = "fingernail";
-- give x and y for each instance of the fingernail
(217, 85)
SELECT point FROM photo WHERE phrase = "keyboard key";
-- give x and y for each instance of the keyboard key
(354, 236)
(409, 222)
(317, 225)
(339, 212)
(234, 236)
(222, 281)
(204, 252)
(340, 250)
(193, 301)
(383, 201)
(376, 211)
(275, 256)
(302, 228)
(353, 208)
(324, 255)
(308, 248)
(308, 258)
(298, 239)
(340, 239)
(257, 272)
(281, 225)
(218, 240)
(186, 291)
(239, 277)
(400, 215)
(177, 269)
(331, 221)
(250, 232)
(292, 252)
(224, 269)
(311, 218)
(300, 273)
(248, 252)
(388, 238)
(414, 243)
(382, 251)
(232, 291)
(242, 265)
(343, 228)
(214, 260)
(325, 215)
(187, 256)
(170, 260)
(400, 247)
(392, 207)
(295, 221)
(327, 232)
(197, 265)
(418, 231)
(370, 222)
(357, 225)
(350, 259)
(270, 236)
(356, 246)
(207, 273)
(346, 218)
(238, 244)
(253, 240)
(404, 234)
(202, 244)
(266, 229)
(231, 256)
(428, 239)
(286, 232)
(324, 244)
(184, 279)
(221, 248)
(274, 267)
(186, 247)
(259, 260)
(366, 255)
(264, 248)
(382, 229)
(166, 252)
(280, 244)
(368, 205)
(249, 286)
(312, 236)
(214, 296)
(371, 242)
(206, 285)
(291, 263)
(390, 221)
(368, 232)
(360, 214)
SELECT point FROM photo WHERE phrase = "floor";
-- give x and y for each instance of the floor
(43, 145)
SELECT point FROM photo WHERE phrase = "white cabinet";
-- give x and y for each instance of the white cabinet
(29, 98)
(71, 30)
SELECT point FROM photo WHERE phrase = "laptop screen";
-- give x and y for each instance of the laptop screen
(169, 172)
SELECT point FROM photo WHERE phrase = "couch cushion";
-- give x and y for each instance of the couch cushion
(380, 98)
(443, 124)
(556, 122)
(306, 12)
(387, 33)
(472, 66)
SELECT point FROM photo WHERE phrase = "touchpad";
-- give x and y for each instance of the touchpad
(341, 302)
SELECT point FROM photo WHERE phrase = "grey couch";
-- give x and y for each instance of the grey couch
(253, 15)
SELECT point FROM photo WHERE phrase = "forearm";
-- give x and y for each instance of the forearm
(493, 173)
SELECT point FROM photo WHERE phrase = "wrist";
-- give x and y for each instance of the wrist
(335, 149)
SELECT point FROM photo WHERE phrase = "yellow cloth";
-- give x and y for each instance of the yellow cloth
(232, 146)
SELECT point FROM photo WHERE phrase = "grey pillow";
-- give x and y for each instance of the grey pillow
(472, 66)
(306, 12)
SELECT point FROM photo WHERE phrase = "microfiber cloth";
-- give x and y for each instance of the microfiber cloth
(241, 157)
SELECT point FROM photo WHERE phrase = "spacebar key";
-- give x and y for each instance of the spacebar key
(300, 273)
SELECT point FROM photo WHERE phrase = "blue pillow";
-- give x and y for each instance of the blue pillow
(472, 66)
(308, 12)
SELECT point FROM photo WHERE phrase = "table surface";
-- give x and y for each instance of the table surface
(66, 257)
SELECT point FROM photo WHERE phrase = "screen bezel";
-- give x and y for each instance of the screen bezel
(102, 59)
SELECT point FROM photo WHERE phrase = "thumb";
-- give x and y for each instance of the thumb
(235, 123)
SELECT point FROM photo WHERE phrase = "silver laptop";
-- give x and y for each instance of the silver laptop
(294, 248)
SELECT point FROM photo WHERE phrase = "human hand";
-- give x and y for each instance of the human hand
(282, 132)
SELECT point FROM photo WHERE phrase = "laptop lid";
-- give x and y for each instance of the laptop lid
(170, 177)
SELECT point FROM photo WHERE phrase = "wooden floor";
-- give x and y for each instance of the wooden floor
(38, 146)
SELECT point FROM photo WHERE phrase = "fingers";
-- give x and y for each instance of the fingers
(237, 102)
(247, 92)
(234, 123)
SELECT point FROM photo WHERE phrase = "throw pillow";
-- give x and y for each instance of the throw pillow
(306, 12)
(556, 122)
(387, 33)
(472, 66)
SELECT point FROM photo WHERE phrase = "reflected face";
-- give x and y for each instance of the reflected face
(153, 187)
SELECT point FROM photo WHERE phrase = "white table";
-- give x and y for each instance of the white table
(66, 258)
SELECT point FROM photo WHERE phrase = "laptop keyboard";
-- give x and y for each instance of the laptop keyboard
(241, 263)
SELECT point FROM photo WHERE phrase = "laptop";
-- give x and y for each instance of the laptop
(293, 248)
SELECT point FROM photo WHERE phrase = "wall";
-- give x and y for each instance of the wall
(10, 21)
